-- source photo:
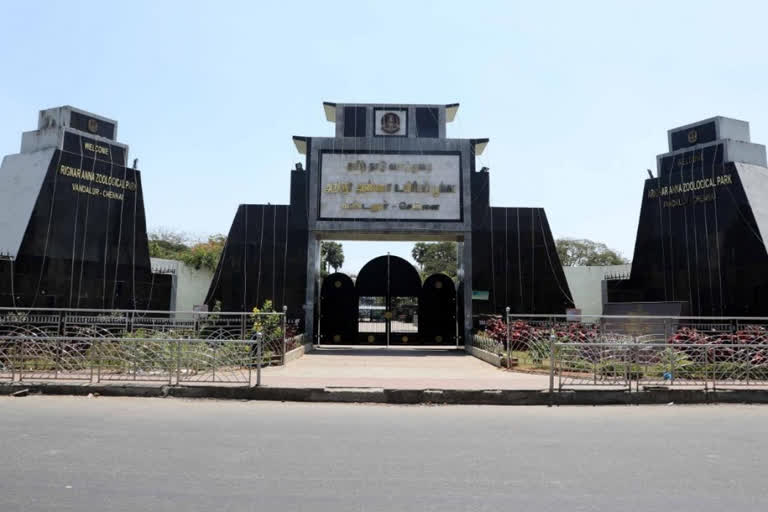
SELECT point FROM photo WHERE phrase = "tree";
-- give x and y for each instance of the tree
(436, 257)
(331, 255)
(206, 254)
(586, 253)
(172, 245)
(167, 244)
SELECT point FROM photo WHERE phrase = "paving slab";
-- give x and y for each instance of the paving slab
(397, 368)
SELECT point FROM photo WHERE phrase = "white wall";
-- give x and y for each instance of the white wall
(21, 178)
(586, 285)
(191, 286)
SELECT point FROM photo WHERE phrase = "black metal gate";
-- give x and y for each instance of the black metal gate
(437, 311)
(338, 310)
(389, 289)
(388, 305)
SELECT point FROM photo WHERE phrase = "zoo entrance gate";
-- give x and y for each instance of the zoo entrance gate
(389, 305)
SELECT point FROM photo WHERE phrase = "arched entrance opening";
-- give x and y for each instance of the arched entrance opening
(388, 290)
(388, 305)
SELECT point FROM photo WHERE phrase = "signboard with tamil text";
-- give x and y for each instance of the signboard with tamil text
(389, 186)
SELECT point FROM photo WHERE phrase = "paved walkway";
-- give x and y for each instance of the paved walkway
(397, 368)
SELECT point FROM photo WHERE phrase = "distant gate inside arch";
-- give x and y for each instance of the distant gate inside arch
(388, 305)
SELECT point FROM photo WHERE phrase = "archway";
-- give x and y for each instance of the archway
(388, 290)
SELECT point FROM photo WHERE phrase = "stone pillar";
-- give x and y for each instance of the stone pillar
(466, 259)
(313, 275)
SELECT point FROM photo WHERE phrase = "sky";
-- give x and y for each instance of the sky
(576, 97)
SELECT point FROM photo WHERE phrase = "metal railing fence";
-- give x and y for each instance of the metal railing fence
(160, 346)
(633, 351)
(174, 361)
(652, 365)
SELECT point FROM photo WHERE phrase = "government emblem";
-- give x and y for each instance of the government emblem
(390, 123)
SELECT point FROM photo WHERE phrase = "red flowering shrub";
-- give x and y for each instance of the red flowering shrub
(521, 334)
(575, 332)
(524, 336)
(731, 346)
(496, 329)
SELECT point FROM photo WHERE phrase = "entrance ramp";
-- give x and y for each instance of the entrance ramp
(412, 367)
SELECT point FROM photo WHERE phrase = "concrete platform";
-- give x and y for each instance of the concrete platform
(397, 368)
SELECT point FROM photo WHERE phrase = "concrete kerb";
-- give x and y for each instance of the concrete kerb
(484, 355)
(298, 352)
(401, 396)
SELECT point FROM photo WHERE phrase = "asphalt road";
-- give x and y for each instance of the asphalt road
(107, 454)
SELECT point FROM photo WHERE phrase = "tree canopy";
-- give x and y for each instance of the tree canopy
(331, 255)
(436, 257)
(586, 253)
(173, 245)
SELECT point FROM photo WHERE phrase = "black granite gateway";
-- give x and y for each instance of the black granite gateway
(265, 257)
(72, 226)
(515, 258)
(390, 173)
(700, 240)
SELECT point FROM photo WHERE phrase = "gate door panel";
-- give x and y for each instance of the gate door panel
(404, 328)
(389, 288)
(437, 311)
(338, 310)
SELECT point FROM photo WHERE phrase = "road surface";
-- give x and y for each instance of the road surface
(130, 454)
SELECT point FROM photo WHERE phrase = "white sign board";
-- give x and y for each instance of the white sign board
(390, 186)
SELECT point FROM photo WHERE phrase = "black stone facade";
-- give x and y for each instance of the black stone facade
(514, 258)
(85, 248)
(701, 247)
(265, 257)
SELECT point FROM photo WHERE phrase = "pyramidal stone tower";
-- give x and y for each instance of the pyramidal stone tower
(700, 246)
(72, 227)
